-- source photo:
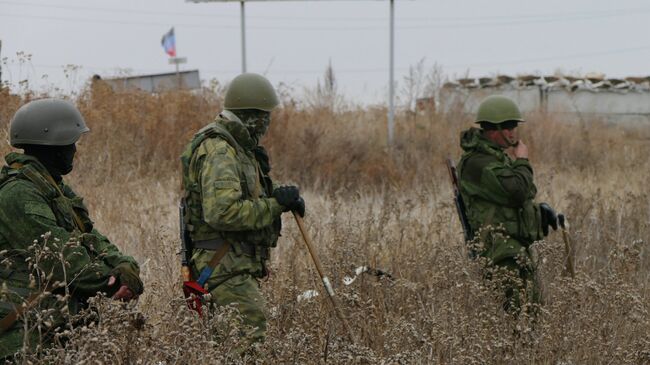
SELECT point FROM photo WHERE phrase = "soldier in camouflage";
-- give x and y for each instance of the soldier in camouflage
(496, 183)
(34, 200)
(231, 199)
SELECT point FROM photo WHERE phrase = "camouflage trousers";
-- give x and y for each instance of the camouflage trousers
(230, 286)
(519, 284)
(514, 275)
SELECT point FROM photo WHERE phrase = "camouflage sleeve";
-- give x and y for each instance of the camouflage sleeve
(509, 185)
(224, 207)
(518, 182)
(109, 253)
(34, 217)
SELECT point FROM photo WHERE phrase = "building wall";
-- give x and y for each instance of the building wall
(612, 106)
(157, 83)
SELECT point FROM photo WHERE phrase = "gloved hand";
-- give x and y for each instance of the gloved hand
(289, 198)
(298, 206)
(549, 218)
(127, 275)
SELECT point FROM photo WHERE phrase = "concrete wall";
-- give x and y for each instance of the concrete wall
(157, 83)
(612, 106)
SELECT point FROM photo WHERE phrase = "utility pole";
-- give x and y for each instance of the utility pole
(391, 76)
(243, 37)
(0, 63)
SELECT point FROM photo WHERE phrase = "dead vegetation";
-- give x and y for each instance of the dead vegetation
(367, 205)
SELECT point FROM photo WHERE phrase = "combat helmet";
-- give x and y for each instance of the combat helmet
(251, 91)
(49, 122)
(497, 109)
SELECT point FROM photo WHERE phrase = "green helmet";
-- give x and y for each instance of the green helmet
(50, 122)
(250, 91)
(497, 109)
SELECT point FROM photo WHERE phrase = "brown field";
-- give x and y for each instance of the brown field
(368, 205)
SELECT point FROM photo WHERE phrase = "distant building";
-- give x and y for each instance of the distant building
(187, 80)
(614, 100)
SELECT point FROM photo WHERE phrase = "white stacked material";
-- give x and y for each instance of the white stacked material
(592, 96)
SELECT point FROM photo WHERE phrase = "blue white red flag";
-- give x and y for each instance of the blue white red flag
(169, 43)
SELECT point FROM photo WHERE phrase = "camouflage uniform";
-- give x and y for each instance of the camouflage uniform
(228, 195)
(498, 193)
(30, 205)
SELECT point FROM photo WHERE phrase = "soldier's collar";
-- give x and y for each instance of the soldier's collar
(236, 128)
(491, 143)
(21, 158)
(17, 160)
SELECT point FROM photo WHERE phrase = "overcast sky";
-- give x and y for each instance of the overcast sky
(293, 41)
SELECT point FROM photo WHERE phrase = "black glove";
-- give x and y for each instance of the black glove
(549, 218)
(289, 198)
(298, 206)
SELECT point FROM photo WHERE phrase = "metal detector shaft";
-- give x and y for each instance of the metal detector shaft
(326, 281)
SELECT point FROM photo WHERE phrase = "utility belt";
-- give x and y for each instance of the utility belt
(239, 247)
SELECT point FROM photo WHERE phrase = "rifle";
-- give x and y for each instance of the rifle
(460, 204)
(192, 290)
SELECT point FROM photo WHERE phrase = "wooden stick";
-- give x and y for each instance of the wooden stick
(326, 281)
(568, 246)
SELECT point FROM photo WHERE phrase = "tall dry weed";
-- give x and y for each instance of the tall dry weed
(370, 205)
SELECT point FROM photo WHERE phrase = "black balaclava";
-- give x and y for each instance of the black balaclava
(58, 160)
(256, 122)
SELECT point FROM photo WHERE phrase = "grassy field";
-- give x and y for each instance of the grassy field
(367, 204)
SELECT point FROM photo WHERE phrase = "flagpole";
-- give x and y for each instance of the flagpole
(178, 75)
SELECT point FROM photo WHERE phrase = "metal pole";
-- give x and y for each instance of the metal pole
(243, 37)
(178, 76)
(391, 77)
(0, 63)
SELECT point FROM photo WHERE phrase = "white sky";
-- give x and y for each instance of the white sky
(293, 41)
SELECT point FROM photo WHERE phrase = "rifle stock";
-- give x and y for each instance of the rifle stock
(186, 241)
(459, 203)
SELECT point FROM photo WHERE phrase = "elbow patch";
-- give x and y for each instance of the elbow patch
(40, 210)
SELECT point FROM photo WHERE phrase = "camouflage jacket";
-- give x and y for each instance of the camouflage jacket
(30, 206)
(227, 187)
(498, 192)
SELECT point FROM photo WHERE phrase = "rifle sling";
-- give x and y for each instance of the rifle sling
(207, 271)
(219, 254)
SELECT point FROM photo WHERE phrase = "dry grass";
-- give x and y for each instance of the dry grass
(369, 205)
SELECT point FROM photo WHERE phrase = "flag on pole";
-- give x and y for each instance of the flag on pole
(169, 43)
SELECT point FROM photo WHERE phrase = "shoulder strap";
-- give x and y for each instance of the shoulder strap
(46, 184)
(5, 175)
(212, 132)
